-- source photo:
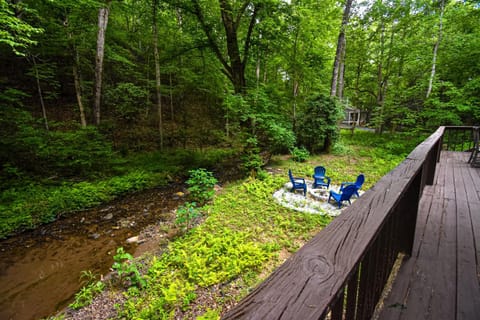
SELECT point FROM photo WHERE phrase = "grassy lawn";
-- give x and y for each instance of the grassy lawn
(245, 235)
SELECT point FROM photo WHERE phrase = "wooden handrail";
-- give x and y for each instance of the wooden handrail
(343, 270)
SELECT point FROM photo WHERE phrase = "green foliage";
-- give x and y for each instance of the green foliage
(126, 269)
(128, 100)
(79, 153)
(85, 296)
(317, 127)
(34, 151)
(201, 185)
(206, 259)
(186, 215)
(15, 32)
(299, 154)
(239, 239)
(12, 97)
(251, 159)
(279, 138)
(210, 315)
(28, 207)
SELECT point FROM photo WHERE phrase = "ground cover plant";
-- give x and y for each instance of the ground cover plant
(41, 201)
(245, 234)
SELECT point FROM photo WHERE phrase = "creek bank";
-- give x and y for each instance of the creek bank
(40, 269)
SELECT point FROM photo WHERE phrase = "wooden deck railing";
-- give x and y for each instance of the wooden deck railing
(343, 270)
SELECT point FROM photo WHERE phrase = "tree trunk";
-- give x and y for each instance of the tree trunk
(234, 67)
(340, 49)
(77, 78)
(237, 67)
(341, 71)
(435, 48)
(171, 96)
(158, 79)
(78, 87)
(40, 94)
(102, 27)
(380, 97)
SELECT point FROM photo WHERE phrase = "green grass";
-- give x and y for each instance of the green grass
(244, 233)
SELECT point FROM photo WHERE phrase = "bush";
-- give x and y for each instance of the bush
(30, 150)
(317, 123)
(128, 100)
(251, 159)
(200, 185)
(186, 214)
(299, 154)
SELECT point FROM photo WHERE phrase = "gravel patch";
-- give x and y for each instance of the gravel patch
(315, 202)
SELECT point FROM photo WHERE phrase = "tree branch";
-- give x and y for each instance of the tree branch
(248, 38)
(207, 29)
(240, 12)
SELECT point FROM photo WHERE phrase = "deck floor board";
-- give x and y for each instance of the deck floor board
(441, 278)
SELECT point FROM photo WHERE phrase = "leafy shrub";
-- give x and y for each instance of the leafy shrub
(340, 149)
(279, 138)
(33, 151)
(126, 269)
(212, 259)
(128, 100)
(85, 296)
(200, 185)
(251, 159)
(80, 153)
(317, 123)
(186, 214)
(299, 154)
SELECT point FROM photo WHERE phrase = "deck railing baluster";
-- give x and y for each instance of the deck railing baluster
(352, 296)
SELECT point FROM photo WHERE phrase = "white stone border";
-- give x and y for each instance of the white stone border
(315, 202)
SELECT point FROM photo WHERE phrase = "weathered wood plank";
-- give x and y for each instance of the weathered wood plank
(468, 289)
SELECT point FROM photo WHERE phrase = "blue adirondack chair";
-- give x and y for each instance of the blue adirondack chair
(319, 178)
(358, 183)
(297, 183)
(344, 195)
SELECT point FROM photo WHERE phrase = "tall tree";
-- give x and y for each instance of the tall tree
(231, 16)
(435, 48)
(158, 79)
(338, 64)
(103, 13)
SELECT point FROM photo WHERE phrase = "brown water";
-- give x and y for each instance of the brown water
(40, 270)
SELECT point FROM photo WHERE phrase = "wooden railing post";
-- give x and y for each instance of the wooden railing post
(409, 209)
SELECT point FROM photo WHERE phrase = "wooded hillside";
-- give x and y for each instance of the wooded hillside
(152, 74)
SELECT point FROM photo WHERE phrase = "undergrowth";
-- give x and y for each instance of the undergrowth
(245, 234)
(28, 206)
(242, 235)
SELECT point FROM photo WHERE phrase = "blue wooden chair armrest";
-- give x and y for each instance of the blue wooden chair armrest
(297, 183)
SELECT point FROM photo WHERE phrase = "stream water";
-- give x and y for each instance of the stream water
(40, 269)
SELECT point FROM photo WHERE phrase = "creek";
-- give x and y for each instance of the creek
(40, 269)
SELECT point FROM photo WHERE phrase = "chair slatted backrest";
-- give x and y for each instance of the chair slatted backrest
(319, 171)
(348, 191)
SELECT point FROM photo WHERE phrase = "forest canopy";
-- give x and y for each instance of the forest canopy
(151, 74)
